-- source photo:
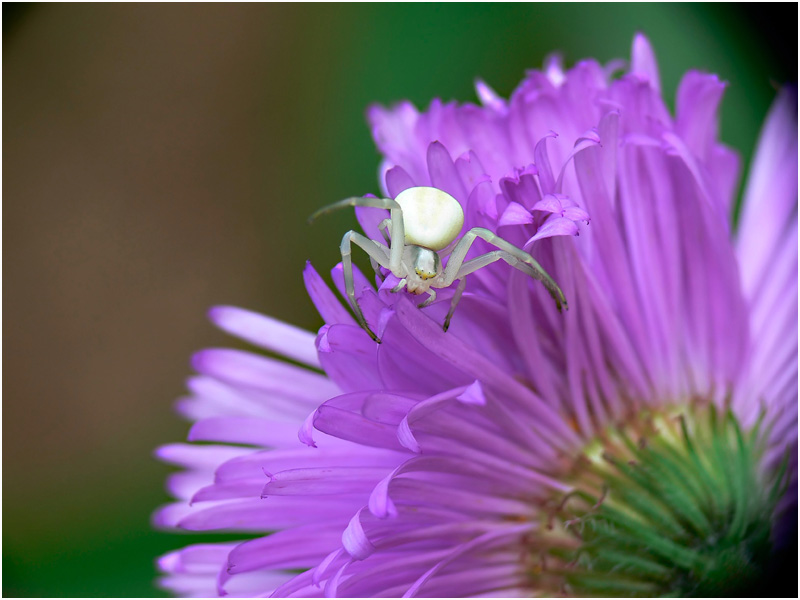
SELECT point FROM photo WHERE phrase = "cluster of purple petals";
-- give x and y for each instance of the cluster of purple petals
(419, 466)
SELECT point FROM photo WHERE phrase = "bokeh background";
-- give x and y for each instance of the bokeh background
(160, 159)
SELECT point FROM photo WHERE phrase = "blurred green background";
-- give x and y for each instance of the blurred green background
(160, 159)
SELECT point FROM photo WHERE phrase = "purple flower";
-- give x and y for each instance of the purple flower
(641, 443)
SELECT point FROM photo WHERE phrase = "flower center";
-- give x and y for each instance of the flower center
(672, 506)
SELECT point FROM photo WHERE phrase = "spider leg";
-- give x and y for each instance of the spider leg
(377, 269)
(456, 297)
(399, 286)
(431, 297)
(383, 228)
(377, 252)
(448, 250)
(398, 230)
(516, 257)
(486, 259)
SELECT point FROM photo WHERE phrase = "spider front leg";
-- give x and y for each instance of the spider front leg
(383, 228)
(398, 229)
(400, 285)
(378, 253)
(516, 257)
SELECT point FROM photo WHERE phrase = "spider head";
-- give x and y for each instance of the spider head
(426, 262)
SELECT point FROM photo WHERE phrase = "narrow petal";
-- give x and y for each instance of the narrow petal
(397, 180)
(267, 333)
(443, 172)
(298, 548)
(557, 226)
(643, 62)
(330, 309)
(245, 430)
(770, 199)
(262, 373)
(515, 214)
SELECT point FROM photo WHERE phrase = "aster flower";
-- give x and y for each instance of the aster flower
(641, 443)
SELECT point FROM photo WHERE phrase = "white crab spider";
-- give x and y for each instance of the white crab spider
(424, 225)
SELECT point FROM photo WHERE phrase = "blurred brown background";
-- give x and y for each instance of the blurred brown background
(160, 159)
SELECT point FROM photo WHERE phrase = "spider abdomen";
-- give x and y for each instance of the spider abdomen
(431, 218)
